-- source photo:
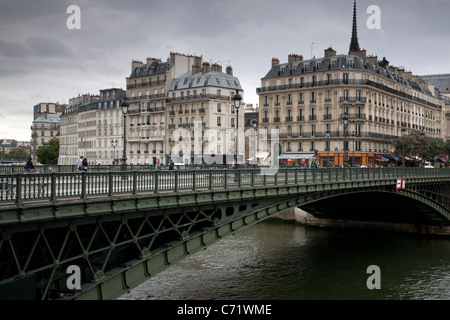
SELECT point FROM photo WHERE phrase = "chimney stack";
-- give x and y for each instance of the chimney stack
(275, 61)
(330, 52)
(135, 64)
(373, 60)
(229, 71)
(206, 67)
(216, 67)
(295, 58)
(196, 68)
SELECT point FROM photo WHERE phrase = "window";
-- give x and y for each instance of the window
(345, 77)
(346, 95)
(289, 102)
(301, 99)
(219, 107)
(219, 121)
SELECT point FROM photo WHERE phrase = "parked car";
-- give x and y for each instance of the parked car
(428, 166)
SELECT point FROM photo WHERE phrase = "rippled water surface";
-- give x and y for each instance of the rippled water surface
(284, 261)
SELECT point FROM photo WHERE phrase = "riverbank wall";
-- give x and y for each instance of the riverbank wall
(302, 217)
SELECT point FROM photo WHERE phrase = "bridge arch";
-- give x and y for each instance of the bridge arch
(121, 240)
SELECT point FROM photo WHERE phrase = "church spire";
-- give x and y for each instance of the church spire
(354, 45)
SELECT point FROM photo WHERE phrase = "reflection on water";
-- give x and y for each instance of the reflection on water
(283, 261)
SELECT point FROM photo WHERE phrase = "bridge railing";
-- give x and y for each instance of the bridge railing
(19, 187)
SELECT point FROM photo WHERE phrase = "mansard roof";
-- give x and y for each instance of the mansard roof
(341, 63)
(156, 67)
(198, 80)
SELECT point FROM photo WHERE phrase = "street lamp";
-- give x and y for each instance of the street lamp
(422, 136)
(254, 123)
(237, 102)
(345, 120)
(124, 106)
(403, 145)
(328, 147)
(114, 144)
(354, 147)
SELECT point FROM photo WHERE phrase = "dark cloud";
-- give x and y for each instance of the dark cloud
(47, 47)
(41, 57)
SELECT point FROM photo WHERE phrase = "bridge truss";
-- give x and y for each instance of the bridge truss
(120, 229)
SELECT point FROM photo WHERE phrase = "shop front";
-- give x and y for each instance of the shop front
(336, 159)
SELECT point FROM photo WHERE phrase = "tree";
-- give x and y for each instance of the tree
(18, 154)
(415, 144)
(48, 153)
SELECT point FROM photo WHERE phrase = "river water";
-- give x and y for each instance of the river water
(276, 260)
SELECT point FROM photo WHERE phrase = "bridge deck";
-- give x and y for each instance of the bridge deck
(20, 189)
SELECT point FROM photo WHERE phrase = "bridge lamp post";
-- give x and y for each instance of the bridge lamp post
(328, 147)
(254, 123)
(124, 106)
(237, 103)
(422, 135)
(354, 147)
(345, 120)
(114, 144)
(403, 146)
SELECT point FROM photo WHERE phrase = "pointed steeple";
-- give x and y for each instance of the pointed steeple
(354, 45)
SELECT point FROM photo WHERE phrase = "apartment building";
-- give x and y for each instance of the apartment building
(202, 118)
(157, 89)
(45, 125)
(92, 126)
(346, 108)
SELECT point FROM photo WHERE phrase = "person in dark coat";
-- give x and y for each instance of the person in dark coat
(29, 166)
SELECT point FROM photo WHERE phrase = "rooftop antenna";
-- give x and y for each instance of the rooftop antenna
(312, 48)
(170, 48)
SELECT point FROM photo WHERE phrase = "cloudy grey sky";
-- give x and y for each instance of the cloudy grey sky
(41, 60)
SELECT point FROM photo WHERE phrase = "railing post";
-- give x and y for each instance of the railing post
(210, 186)
(177, 188)
(194, 181)
(83, 186)
(19, 199)
(134, 183)
(239, 178)
(225, 178)
(156, 181)
(53, 188)
(110, 184)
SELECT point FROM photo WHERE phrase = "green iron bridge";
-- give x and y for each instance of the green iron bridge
(121, 228)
